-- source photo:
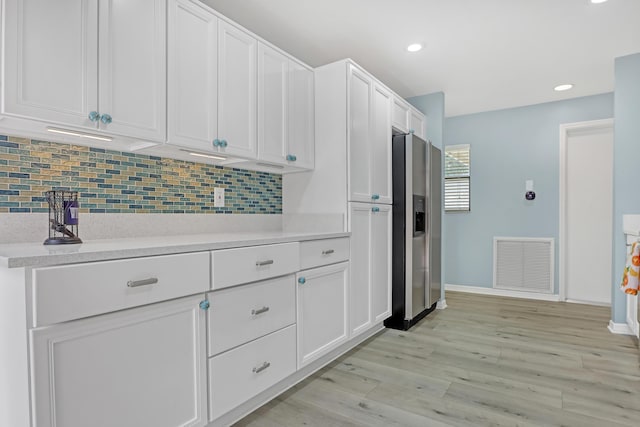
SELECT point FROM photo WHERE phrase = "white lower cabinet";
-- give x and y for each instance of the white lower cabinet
(322, 311)
(370, 287)
(241, 373)
(135, 368)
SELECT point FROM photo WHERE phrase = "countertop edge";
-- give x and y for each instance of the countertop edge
(53, 259)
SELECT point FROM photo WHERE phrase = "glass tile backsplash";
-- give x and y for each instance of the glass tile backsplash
(118, 182)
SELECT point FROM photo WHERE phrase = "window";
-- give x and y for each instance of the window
(457, 181)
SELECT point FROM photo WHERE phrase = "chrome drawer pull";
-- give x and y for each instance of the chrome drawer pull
(261, 263)
(259, 369)
(259, 311)
(143, 282)
(328, 252)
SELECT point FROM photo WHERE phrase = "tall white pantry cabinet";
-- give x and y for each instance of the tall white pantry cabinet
(354, 113)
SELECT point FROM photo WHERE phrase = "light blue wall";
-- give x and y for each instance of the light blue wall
(509, 147)
(432, 106)
(626, 194)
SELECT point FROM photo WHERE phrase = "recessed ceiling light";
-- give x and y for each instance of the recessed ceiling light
(561, 88)
(414, 47)
(597, 1)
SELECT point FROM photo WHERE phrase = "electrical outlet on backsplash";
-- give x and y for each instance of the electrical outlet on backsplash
(120, 182)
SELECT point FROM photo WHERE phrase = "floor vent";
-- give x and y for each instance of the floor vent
(523, 264)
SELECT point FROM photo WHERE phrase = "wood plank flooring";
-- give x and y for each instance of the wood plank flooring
(483, 361)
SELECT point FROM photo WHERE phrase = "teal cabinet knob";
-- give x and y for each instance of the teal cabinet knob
(302, 280)
(411, 131)
(216, 142)
(375, 209)
(94, 116)
(106, 119)
(223, 143)
(291, 158)
(204, 305)
(375, 196)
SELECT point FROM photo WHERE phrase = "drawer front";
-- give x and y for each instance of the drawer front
(316, 253)
(241, 373)
(74, 291)
(244, 313)
(244, 265)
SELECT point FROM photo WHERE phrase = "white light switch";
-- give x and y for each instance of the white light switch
(218, 197)
(529, 185)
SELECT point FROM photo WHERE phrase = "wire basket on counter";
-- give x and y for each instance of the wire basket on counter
(63, 217)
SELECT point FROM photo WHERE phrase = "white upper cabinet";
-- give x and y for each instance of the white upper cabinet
(193, 75)
(400, 116)
(51, 60)
(285, 110)
(359, 131)
(88, 64)
(301, 116)
(381, 191)
(418, 125)
(237, 78)
(369, 126)
(273, 98)
(132, 85)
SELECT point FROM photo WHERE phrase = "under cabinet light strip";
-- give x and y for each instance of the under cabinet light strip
(79, 134)
(209, 156)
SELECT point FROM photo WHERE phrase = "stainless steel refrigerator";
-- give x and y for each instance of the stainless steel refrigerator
(417, 215)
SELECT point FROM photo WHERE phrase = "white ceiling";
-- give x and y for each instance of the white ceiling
(484, 55)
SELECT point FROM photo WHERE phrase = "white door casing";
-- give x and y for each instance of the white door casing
(586, 194)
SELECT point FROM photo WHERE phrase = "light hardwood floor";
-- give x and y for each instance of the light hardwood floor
(483, 361)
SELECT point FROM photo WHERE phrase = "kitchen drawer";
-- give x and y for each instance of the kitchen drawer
(239, 374)
(244, 313)
(243, 265)
(316, 253)
(74, 291)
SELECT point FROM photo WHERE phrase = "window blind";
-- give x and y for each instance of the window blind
(457, 178)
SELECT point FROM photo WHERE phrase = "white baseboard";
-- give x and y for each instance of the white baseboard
(620, 328)
(501, 292)
(442, 304)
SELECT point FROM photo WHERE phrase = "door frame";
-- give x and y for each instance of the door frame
(565, 130)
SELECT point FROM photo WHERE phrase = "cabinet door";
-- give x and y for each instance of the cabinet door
(400, 115)
(360, 283)
(322, 311)
(51, 60)
(418, 125)
(134, 368)
(273, 97)
(133, 77)
(381, 146)
(381, 229)
(193, 75)
(301, 116)
(359, 119)
(237, 77)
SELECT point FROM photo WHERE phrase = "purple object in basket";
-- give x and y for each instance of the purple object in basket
(71, 209)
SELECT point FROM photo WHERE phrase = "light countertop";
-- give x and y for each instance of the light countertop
(38, 255)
